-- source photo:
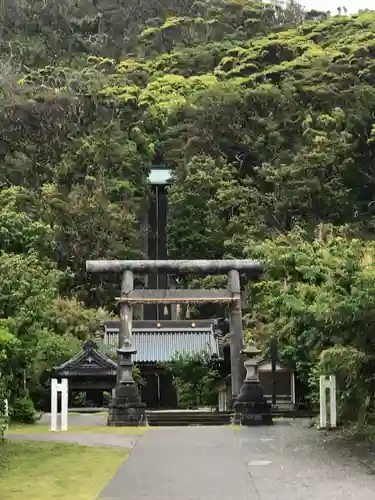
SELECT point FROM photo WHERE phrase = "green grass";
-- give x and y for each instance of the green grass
(55, 471)
(78, 429)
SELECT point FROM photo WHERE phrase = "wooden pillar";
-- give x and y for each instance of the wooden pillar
(126, 309)
(236, 332)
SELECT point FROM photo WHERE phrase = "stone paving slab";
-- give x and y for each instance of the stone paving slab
(288, 461)
(97, 439)
(183, 463)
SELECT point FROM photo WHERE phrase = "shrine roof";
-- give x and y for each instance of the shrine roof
(89, 361)
(158, 344)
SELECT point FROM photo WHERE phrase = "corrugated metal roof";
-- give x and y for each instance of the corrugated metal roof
(162, 344)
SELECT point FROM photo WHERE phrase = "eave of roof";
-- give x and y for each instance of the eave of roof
(161, 324)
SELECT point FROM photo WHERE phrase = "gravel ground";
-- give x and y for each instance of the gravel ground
(305, 464)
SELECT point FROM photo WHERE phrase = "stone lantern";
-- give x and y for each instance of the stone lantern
(251, 407)
(126, 407)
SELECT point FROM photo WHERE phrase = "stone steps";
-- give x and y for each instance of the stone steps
(165, 418)
(186, 418)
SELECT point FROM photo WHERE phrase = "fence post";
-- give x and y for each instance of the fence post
(64, 404)
(322, 403)
(6, 414)
(63, 389)
(330, 385)
(333, 402)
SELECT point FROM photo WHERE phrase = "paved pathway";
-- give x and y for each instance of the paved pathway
(284, 462)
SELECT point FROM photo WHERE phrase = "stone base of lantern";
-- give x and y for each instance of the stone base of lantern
(126, 408)
(252, 414)
(251, 407)
(127, 415)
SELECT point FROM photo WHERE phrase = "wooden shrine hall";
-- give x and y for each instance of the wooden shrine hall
(93, 369)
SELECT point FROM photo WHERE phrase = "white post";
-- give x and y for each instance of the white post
(332, 402)
(55, 389)
(322, 402)
(6, 414)
(54, 404)
(6, 411)
(221, 403)
(330, 385)
(64, 404)
(293, 387)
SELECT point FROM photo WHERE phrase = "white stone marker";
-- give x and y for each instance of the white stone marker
(55, 389)
(330, 385)
(6, 414)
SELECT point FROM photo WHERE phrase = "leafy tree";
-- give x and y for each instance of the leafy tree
(27, 287)
(265, 115)
(47, 328)
(8, 352)
(317, 299)
(194, 377)
(202, 200)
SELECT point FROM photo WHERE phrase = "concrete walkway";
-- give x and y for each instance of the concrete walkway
(285, 462)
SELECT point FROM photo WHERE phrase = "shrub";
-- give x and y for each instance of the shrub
(79, 399)
(107, 398)
(23, 411)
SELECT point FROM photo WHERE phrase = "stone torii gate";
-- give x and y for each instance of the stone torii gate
(126, 407)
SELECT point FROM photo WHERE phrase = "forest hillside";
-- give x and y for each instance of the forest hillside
(266, 117)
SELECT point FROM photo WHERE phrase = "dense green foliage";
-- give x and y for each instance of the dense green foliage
(265, 116)
(195, 379)
(8, 351)
(318, 299)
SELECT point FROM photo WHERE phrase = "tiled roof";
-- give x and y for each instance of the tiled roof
(161, 344)
(88, 361)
